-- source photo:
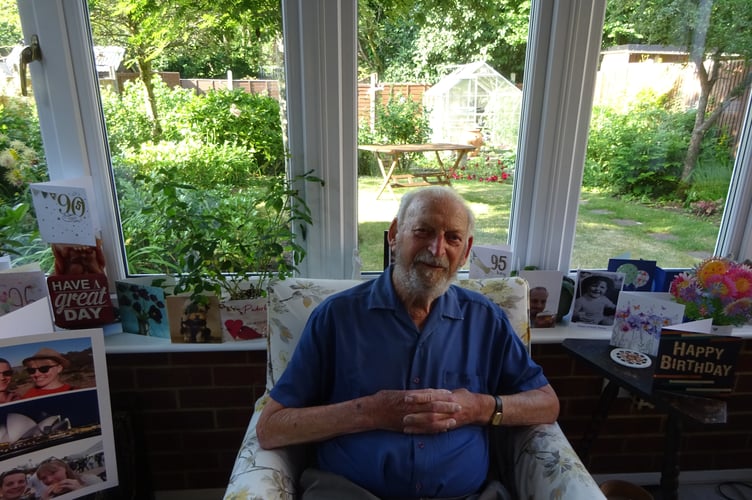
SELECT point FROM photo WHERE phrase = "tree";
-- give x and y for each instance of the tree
(10, 26)
(421, 39)
(712, 31)
(150, 30)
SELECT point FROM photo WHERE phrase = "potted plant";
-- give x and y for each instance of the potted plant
(231, 241)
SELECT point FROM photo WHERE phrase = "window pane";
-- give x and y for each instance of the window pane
(430, 80)
(646, 191)
(22, 158)
(193, 102)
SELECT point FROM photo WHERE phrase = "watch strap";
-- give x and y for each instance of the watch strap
(498, 414)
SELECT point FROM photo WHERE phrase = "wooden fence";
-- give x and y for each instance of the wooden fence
(615, 84)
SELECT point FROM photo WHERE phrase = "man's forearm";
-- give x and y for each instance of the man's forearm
(539, 406)
(279, 426)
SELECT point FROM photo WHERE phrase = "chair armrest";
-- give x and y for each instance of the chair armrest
(260, 474)
(545, 465)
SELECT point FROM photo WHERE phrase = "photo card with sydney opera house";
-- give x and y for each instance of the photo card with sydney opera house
(55, 418)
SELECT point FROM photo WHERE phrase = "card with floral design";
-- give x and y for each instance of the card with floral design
(640, 317)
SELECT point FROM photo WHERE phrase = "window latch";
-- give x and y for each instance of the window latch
(29, 54)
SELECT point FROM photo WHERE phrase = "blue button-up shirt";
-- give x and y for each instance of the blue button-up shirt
(362, 340)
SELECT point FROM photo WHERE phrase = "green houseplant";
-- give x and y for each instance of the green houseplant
(230, 241)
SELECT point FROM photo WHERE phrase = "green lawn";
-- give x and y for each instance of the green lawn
(606, 227)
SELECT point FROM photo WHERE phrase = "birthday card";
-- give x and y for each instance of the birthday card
(640, 317)
(64, 211)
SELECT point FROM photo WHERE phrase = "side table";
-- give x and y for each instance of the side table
(639, 381)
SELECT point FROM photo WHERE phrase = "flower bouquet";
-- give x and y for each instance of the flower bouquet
(716, 288)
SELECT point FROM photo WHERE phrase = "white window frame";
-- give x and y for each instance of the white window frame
(321, 40)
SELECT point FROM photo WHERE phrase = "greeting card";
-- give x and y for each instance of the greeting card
(143, 308)
(64, 211)
(20, 286)
(696, 362)
(596, 293)
(243, 319)
(194, 322)
(490, 261)
(640, 317)
(80, 301)
(638, 274)
(664, 277)
(62, 420)
(545, 290)
(28, 320)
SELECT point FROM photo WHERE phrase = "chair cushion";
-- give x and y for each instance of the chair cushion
(290, 304)
(511, 294)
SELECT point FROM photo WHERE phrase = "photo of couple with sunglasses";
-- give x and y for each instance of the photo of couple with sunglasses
(43, 373)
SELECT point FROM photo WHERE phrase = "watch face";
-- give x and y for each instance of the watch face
(497, 418)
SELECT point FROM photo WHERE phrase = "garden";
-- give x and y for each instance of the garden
(219, 153)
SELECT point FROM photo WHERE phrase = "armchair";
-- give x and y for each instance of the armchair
(538, 461)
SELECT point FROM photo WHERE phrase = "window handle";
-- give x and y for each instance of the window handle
(28, 54)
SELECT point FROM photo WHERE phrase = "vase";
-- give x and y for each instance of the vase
(143, 327)
(722, 329)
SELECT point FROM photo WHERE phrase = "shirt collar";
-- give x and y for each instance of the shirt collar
(383, 296)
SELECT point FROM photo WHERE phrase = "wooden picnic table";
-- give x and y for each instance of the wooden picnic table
(393, 152)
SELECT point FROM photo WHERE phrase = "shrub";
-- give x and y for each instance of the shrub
(640, 153)
(22, 159)
(244, 120)
(197, 163)
(488, 167)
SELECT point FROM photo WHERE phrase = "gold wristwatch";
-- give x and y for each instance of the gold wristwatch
(498, 414)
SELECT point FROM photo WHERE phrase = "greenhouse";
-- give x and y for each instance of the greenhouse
(474, 96)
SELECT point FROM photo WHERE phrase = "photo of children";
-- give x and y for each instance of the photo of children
(595, 297)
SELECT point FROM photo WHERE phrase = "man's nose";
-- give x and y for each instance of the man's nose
(438, 245)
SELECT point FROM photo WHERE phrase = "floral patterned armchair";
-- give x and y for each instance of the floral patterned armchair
(539, 461)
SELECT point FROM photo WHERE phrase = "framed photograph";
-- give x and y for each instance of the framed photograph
(56, 429)
(595, 297)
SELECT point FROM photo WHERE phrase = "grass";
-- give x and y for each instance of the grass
(606, 226)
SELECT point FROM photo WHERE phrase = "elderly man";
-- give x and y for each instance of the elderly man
(397, 379)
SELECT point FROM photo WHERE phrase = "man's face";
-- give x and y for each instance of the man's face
(14, 486)
(430, 245)
(45, 371)
(6, 375)
(538, 298)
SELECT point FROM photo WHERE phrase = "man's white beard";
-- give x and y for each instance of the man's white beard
(417, 284)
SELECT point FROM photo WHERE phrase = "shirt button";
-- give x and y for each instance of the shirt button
(421, 445)
(416, 380)
(418, 487)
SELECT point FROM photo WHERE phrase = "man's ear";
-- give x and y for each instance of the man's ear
(392, 234)
(467, 250)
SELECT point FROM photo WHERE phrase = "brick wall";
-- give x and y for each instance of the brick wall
(189, 412)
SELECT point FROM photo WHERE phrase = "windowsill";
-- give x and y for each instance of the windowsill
(127, 343)
(117, 342)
